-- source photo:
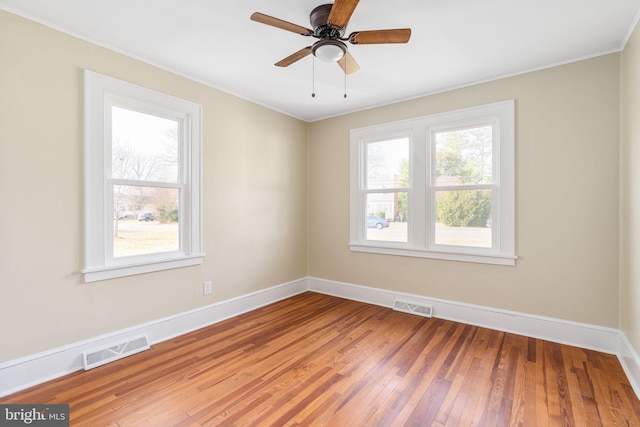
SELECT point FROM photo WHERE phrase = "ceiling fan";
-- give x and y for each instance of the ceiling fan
(329, 22)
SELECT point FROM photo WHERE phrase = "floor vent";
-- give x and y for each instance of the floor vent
(413, 308)
(98, 357)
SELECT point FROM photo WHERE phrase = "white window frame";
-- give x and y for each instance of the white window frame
(421, 191)
(101, 93)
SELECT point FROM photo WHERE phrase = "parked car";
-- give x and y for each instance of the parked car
(126, 215)
(376, 222)
(146, 216)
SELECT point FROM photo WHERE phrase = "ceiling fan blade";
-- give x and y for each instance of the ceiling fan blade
(341, 12)
(400, 35)
(279, 23)
(294, 57)
(348, 64)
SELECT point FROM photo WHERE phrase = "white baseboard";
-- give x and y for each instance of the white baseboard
(630, 362)
(22, 373)
(18, 374)
(556, 330)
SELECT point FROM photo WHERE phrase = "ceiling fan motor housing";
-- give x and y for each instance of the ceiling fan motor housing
(319, 18)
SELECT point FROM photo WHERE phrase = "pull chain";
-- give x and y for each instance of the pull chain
(345, 82)
(313, 77)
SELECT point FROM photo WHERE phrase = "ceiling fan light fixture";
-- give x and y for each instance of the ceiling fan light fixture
(329, 50)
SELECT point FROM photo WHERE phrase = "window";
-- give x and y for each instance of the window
(142, 180)
(439, 186)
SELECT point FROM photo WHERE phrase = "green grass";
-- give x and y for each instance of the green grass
(140, 238)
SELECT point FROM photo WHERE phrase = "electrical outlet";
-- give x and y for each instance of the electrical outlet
(206, 288)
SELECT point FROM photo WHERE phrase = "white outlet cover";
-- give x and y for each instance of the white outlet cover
(207, 287)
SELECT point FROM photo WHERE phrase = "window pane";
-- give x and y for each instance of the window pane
(463, 218)
(386, 218)
(145, 220)
(464, 156)
(388, 164)
(145, 147)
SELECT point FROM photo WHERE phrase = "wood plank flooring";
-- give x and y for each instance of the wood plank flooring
(316, 360)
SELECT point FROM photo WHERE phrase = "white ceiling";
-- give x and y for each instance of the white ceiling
(454, 43)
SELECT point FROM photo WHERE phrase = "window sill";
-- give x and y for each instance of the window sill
(482, 258)
(112, 272)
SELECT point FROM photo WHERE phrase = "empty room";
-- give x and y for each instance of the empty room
(300, 213)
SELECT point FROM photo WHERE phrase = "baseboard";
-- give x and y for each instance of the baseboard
(630, 362)
(556, 330)
(22, 373)
(18, 374)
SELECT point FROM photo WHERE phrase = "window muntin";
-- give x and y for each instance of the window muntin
(455, 159)
(142, 180)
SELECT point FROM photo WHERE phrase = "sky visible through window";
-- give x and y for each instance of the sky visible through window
(146, 132)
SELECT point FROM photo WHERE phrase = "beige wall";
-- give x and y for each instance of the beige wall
(255, 197)
(567, 133)
(630, 192)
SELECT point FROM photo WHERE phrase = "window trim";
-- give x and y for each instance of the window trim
(421, 150)
(100, 92)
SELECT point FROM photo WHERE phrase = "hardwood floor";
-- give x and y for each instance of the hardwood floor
(319, 360)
